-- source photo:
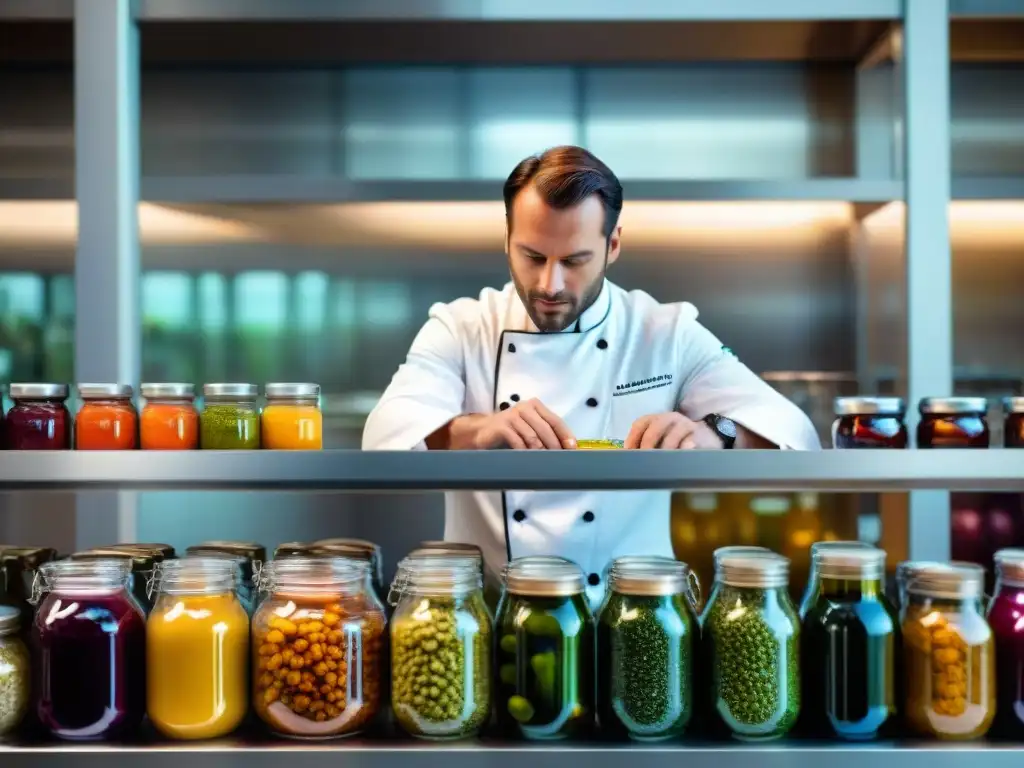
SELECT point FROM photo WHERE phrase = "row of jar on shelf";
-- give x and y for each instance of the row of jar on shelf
(946, 422)
(108, 419)
(655, 661)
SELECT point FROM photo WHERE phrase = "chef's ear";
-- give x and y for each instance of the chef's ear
(614, 244)
(506, 238)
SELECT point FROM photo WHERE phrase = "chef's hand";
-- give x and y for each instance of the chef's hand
(527, 425)
(671, 430)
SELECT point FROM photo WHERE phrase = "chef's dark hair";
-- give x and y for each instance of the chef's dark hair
(566, 176)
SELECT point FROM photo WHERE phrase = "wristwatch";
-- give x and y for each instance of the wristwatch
(723, 427)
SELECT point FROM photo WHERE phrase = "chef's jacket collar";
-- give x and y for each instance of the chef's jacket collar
(592, 317)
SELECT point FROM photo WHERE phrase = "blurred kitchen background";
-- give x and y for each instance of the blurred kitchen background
(311, 189)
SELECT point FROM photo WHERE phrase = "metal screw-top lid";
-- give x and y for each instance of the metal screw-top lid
(947, 581)
(869, 406)
(170, 391)
(292, 391)
(221, 391)
(736, 550)
(763, 570)
(38, 391)
(552, 579)
(850, 563)
(1010, 565)
(105, 391)
(648, 576)
(953, 406)
(10, 620)
(1013, 404)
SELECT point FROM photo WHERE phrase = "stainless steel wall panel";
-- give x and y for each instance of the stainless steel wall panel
(987, 113)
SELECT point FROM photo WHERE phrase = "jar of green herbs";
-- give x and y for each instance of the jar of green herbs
(751, 634)
(230, 420)
(15, 677)
(647, 632)
(545, 655)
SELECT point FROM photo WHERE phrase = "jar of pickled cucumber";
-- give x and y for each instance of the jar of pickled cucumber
(751, 638)
(646, 638)
(546, 649)
(316, 641)
(948, 653)
(441, 641)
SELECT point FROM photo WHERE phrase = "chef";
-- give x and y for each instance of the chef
(562, 354)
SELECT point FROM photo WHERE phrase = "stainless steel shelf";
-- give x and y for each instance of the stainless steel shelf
(988, 188)
(986, 8)
(995, 470)
(359, 754)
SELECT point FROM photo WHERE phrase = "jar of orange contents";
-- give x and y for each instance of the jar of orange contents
(316, 642)
(197, 650)
(169, 420)
(107, 420)
(291, 418)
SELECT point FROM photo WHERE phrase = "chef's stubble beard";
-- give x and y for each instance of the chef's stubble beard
(589, 297)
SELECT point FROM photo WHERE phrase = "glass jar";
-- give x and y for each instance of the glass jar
(360, 549)
(813, 581)
(645, 648)
(197, 650)
(869, 422)
(850, 639)
(948, 653)
(18, 567)
(316, 642)
(546, 647)
(38, 419)
(90, 635)
(953, 422)
(231, 418)
(15, 671)
(291, 419)
(107, 420)
(1013, 427)
(440, 648)
(246, 572)
(1006, 618)
(142, 566)
(169, 420)
(752, 636)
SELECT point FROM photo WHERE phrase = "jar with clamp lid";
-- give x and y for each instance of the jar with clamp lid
(317, 648)
(546, 648)
(949, 653)
(291, 419)
(38, 419)
(953, 422)
(169, 420)
(647, 634)
(142, 563)
(90, 636)
(751, 634)
(358, 549)
(231, 417)
(107, 420)
(869, 422)
(441, 638)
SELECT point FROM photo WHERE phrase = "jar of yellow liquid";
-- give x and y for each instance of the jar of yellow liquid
(197, 650)
(291, 419)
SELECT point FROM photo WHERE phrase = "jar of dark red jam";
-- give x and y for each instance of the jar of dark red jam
(1005, 612)
(869, 422)
(38, 419)
(90, 635)
(1013, 429)
(953, 422)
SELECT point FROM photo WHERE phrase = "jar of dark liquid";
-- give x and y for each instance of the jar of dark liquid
(1004, 616)
(869, 422)
(90, 635)
(953, 422)
(1013, 431)
(38, 420)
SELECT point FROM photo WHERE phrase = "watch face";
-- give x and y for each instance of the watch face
(727, 427)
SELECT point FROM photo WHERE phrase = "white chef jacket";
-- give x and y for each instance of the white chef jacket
(628, 356)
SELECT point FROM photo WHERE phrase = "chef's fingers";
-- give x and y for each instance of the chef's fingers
(636, 432)
(689, 444)
(526, 432)
(656, 431)
(560, 428)
(541, 428)
(511, 437)
(680, 431)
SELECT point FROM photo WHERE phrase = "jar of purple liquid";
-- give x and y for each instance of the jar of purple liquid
(38, 419)
(1006, 617)
(91, 639)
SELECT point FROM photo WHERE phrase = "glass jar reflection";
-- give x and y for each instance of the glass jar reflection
(869, 422)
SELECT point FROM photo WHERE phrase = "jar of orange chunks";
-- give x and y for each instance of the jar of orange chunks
(949, 656)
(169, 418)
(317, 648)
(107, 420)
